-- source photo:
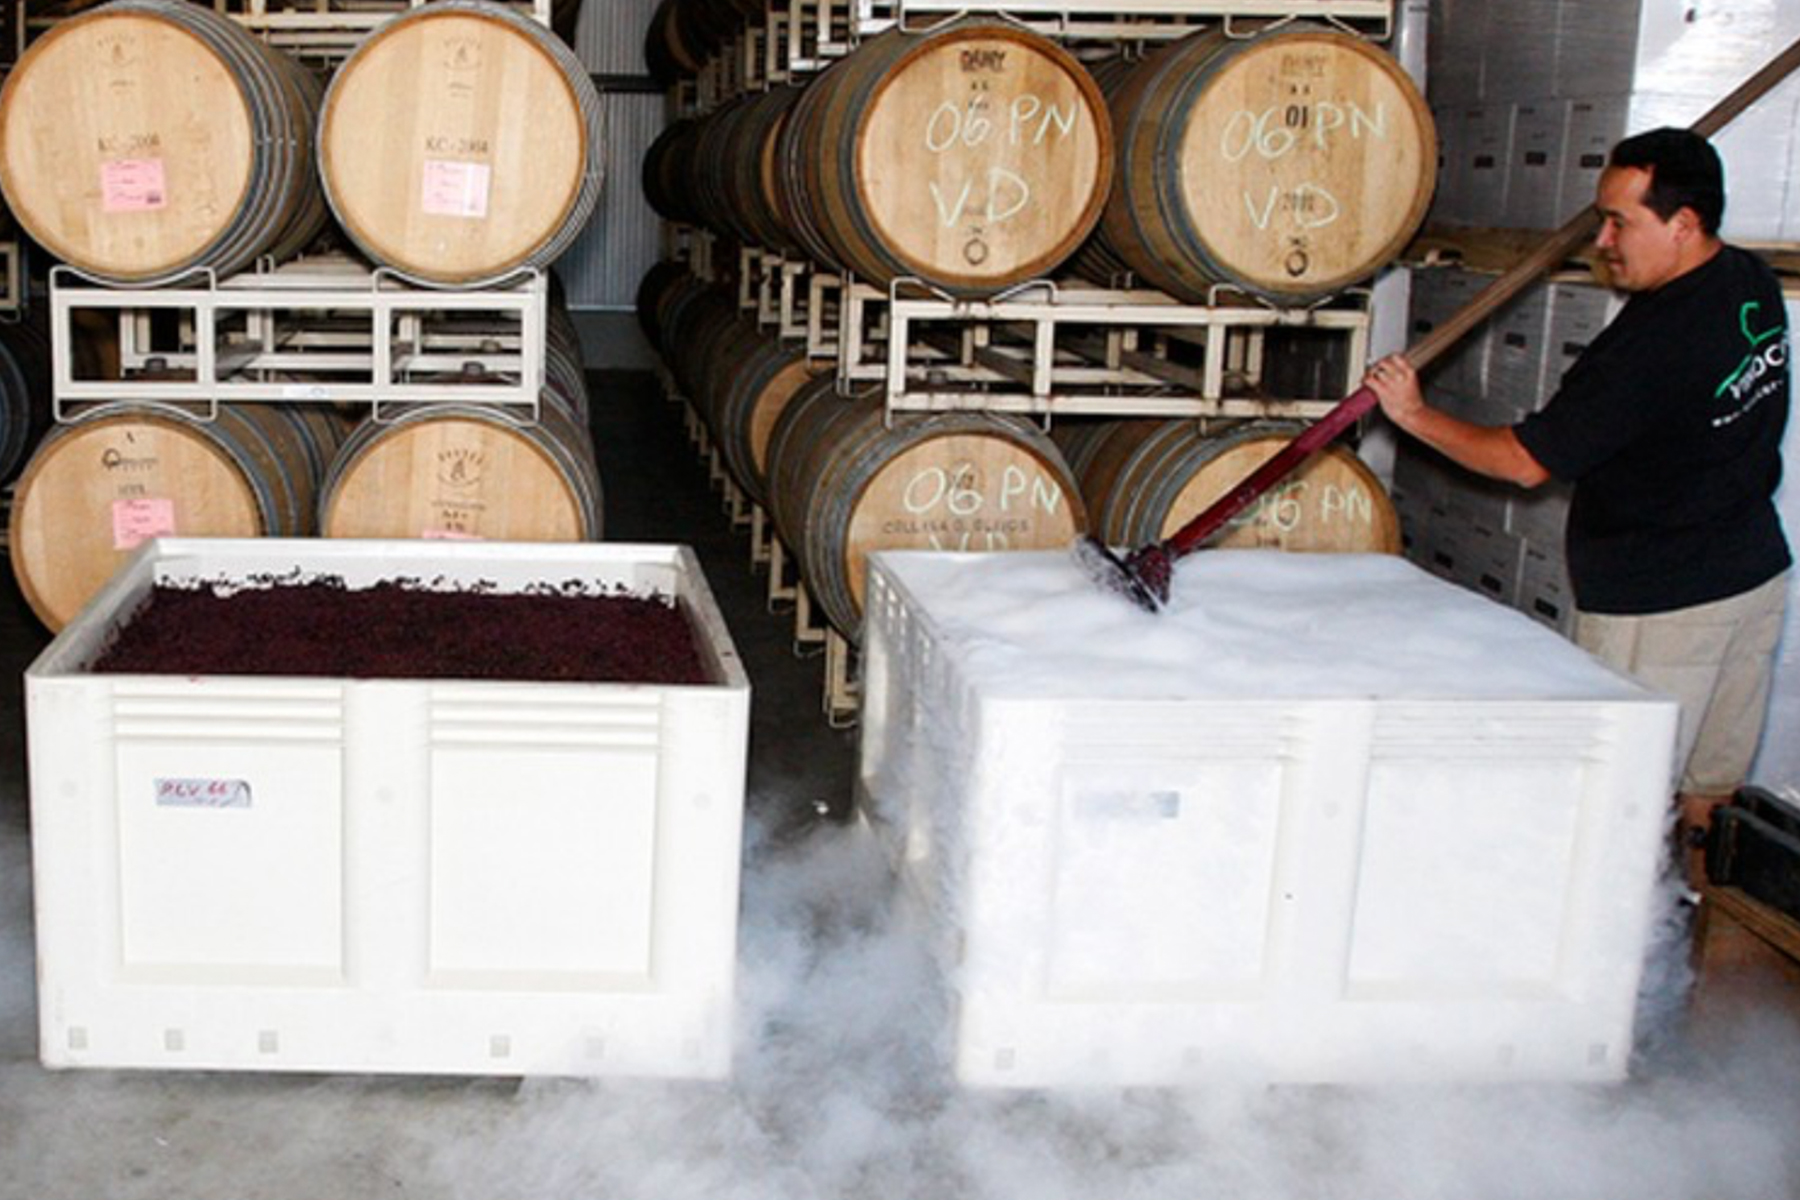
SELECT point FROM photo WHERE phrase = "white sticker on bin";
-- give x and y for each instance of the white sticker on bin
(202, 793)
(1127, 806)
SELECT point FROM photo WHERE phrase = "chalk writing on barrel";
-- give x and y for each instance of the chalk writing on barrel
(971, 123)
(1006, 195)
(958, 490)
(1282, 128)
(1309, 206)
(1288, 506)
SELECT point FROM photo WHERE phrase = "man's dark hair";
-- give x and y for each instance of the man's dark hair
(1685, 172)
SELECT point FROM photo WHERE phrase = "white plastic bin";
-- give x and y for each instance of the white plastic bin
(1326, 819)
(395, 876)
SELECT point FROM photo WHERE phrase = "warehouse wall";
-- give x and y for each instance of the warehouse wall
(602, 270)
(1527, 119)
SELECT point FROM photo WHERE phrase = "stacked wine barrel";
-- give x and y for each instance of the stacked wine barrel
(453, 469)
(460, 143)
(148, 139)
(975, 156)
(148, 142)
(113, 475)
(838, 476)
(24, 388)
(1144, 479)
(971, 158)
(100, 485)
(844, 480)
(1290, 166)
(739, 378)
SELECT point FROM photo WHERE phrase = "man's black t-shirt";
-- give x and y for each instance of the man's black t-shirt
(1670, 427)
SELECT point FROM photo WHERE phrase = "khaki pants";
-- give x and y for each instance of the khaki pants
(1715, 659)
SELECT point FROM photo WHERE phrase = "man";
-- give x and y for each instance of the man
(1669, 426)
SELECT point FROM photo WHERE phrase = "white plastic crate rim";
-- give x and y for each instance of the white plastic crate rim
(1324, 819)
(388, 875)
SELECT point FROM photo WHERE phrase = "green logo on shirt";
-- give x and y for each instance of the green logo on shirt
(1767, 356)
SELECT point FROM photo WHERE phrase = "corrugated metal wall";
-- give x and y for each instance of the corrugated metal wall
(609, 37)
(601, 271)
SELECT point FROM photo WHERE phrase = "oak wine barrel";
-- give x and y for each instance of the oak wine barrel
(147, 139)
(735, 164)
(721, 171)
(666, 174)
(1289, 165)
(460, 144)
(679, 311)
(683, 34)
(459, 470)
(1145, 479)
(973, 156)
(843, 481)
(693, 323)
(737, 377)
(671, 50)
(565, 368)
(750, 378)
(118, 475)
(565, 19)
(24, 391)
(661, 287)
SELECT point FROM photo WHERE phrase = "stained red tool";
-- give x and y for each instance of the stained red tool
(1145, 574)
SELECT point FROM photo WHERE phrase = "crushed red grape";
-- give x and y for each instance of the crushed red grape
(400, 630)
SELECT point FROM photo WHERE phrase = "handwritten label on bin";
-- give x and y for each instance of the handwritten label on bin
(202, 793)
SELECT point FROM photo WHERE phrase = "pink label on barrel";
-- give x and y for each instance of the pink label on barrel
(449, 535)
(132, 185)
(455, 189)
(137, 521)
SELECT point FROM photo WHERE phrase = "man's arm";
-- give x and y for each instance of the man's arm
(1494, 451)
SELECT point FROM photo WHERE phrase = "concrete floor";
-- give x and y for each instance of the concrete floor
(836, 1092)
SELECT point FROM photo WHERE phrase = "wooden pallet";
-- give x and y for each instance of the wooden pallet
(1745, 954)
